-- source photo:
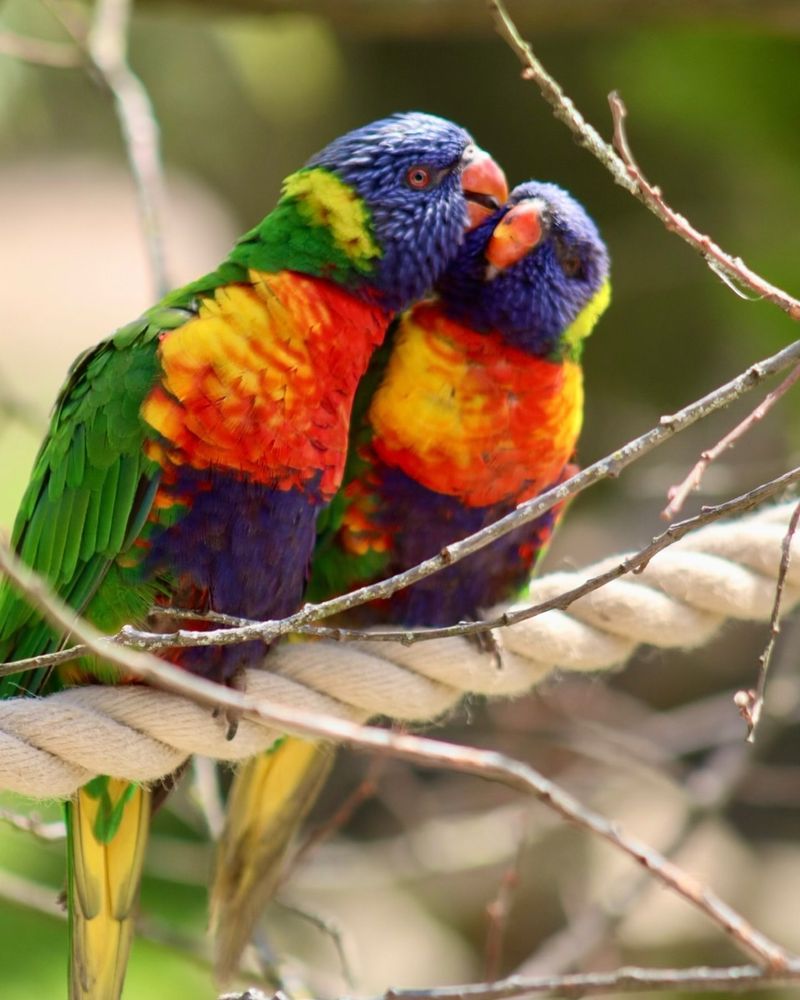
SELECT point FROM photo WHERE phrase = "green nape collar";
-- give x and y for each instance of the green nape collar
(321, 226)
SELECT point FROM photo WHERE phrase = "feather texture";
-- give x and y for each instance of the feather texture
(473, 405)
(104, 873)
(274, 792)
(189, 455)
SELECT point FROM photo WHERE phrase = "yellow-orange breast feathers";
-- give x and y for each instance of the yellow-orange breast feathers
(463, 413)
(261, 382)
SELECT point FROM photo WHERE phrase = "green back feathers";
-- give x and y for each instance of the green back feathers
(90, 489)
(92, 486)
(320, 227)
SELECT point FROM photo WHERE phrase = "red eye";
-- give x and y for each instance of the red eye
(572, 266)
(418, 178)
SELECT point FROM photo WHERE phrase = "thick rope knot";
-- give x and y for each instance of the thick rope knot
(50, 746)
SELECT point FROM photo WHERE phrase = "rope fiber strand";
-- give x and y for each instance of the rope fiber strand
(51, 746)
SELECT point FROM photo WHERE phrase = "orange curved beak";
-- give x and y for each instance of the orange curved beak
(484, 185)
(517, 233)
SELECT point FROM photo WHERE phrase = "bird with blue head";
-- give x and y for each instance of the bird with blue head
(477, 406)
(473, 404)
(190, 453)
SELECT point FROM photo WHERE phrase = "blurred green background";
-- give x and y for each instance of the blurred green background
(243, 99)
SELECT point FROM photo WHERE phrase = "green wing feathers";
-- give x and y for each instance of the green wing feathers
(90, 490)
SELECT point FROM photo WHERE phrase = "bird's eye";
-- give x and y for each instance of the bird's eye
(572, 266)
(418, 178)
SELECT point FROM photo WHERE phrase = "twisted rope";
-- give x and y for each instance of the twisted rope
(49, 747)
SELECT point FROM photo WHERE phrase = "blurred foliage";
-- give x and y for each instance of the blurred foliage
(241, 102)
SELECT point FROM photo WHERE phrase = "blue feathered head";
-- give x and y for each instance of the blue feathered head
(536, 271)
(419, 180)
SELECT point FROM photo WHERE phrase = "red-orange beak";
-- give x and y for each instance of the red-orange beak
(517, 233)
(484, 185)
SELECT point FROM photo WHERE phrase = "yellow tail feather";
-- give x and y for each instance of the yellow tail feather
(103, 890)
(270, 797)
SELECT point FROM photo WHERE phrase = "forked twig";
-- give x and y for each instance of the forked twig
(751, 703)
(677, 494)
(103, 44)
(629, 979)
(625, 171)
(420, 750)
(243, 630)
(619, 160)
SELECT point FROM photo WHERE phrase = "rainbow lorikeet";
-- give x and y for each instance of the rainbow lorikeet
(190, 454)
(473, 404)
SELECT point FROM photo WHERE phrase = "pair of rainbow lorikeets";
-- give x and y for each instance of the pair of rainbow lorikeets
(257, 437)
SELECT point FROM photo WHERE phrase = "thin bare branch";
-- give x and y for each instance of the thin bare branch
(104, 47)
(43, 660)
(629, 979)
(331, 929)
(40, 51)
(107, 43)
(751, 703)
(498, 910)
(622, 166)
(710, 786)
(31, 823)
(677, 494)
(363, 792)
(244, 630)
(733, 271)
(420, 750)
(728, 774)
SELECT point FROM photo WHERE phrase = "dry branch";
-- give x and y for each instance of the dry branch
(419, 750)
(751, 703)
(40, 51)
(629, 979)
(243, 630)
(106, 48)
(677, 494)
(623, 168)
(102, 45)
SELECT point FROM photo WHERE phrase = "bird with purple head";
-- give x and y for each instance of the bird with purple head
(473, 404)
(190, 454)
